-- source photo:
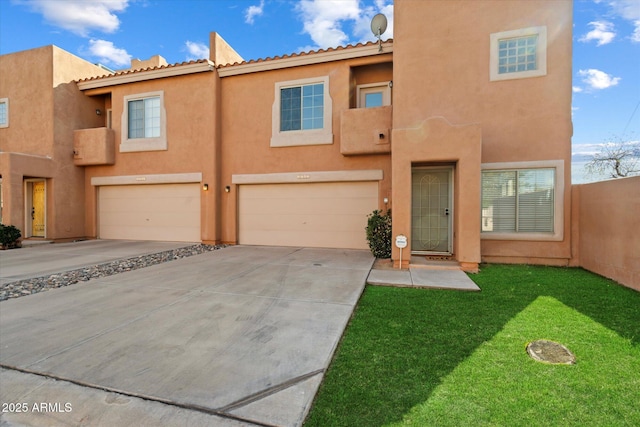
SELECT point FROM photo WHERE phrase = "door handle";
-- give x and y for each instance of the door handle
(446, 211)
(33, 213)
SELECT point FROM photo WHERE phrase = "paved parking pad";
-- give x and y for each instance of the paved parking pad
(47, 259)
(243, 334)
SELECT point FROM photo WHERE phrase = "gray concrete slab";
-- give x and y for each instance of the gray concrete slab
(442, 279)
(390, 278)
(41, 260)
(67, 404)
(423, 278)
(243, 332)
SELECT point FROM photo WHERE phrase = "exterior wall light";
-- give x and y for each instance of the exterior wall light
(98, 112)
(205, 187)
(227, 189)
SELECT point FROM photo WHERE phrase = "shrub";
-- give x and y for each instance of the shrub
(9, 236)
(379, 233)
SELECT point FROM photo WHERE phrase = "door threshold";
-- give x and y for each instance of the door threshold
(440, 263)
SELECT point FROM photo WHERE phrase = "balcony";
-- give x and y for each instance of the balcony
(94, 146)
(365, 131)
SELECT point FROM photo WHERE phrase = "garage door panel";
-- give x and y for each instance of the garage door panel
(305, 205)
(311, 214)
(319, 239)
(148, 219)
(300, 223)
(166, 212)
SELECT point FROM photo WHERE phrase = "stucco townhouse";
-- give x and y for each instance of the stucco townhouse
(461, 125)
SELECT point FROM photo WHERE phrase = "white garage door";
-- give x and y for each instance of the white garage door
(324, 215)
(165, 212)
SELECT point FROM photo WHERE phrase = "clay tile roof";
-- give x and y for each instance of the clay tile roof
(141, 70)
(294, 55)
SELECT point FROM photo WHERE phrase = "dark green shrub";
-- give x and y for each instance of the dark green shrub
(379, 233)
(9, 236)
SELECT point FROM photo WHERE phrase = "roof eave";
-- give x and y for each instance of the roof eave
(144, 75)
(312, 58)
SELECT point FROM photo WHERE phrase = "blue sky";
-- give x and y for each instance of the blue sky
(606, 64)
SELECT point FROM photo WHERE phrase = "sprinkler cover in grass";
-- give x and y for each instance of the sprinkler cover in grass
(550, 352)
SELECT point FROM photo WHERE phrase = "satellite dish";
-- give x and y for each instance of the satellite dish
(378, 27)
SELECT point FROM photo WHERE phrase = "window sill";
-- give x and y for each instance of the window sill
(301, 138)
(143, 144)
(541, 237)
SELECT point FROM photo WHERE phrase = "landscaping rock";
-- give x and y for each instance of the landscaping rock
(39, 284)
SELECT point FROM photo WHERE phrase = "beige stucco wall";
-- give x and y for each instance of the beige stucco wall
(441, 69)
(45, 108)
(220, 52)
(192, 141)
(246, 107)
(435, 142)
(605, 222)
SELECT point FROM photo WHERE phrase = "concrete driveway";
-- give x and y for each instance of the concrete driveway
(40, 260)
(241, 336)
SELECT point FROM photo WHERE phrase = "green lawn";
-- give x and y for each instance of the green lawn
(446, 358)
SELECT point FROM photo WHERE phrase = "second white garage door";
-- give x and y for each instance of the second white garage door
(164, 212)
(324, 215)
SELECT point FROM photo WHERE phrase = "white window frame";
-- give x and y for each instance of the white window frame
(294, 138)
(558, 207)
(541, 53)
(363, 90)
(143, 144)
(5, 101)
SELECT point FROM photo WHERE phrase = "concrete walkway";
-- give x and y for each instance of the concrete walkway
(437, 277)
(241, 336)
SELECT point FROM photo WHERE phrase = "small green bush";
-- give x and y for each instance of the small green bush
(9, 236)
(379, 233)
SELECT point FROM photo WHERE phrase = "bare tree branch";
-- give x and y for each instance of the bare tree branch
(616, 159)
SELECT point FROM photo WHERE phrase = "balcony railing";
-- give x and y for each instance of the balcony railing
(94, 146)
(365, 131)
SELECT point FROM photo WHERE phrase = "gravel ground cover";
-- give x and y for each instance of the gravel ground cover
(39, 284)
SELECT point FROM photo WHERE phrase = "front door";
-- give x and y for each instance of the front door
(37, 209)
(431, 210)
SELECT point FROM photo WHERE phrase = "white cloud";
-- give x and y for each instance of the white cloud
(107, 53)
(635, 37)
(630, 11)
(81, 16)
(196, 50)
(362, 27)
(325, 21)
(252, 11)
(577, 89)
(602, 32)
(597, 79)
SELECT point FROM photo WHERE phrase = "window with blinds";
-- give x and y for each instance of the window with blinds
(144, 122)
(144, 118)
(518, 201)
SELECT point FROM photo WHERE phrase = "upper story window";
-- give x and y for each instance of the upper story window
(374, 95)
(302, 107)
(4, 112)
(522, 202)
(144, 118)
(301, 113)
(144, 123)
(518, 54)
